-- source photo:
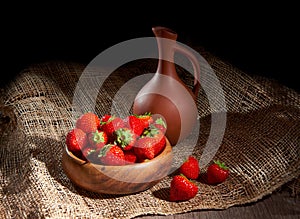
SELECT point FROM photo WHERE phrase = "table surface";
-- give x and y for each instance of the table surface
(280, 204)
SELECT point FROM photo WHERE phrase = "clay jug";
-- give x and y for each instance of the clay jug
(165, 93)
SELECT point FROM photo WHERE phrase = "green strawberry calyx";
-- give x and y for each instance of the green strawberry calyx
(143, 115)
(188, 180)
(124, 137)
(181, 174)
(151, 131)
(221, 164)
(160, 121)
(98, 137)
(108, 121)
(103, 151)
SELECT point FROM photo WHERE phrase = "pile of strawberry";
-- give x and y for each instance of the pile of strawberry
(183, 186)
(111, 140)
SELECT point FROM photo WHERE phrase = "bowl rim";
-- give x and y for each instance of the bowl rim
(83, 162)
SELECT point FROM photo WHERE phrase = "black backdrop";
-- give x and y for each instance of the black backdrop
(259, 40)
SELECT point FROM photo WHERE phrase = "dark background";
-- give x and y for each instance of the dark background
(258, 39)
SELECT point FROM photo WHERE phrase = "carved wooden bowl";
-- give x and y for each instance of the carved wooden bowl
(126, 179)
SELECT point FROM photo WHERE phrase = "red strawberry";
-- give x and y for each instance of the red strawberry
(97, 139)
(216, 173)
(190, 168)
(112, 124)
(150, 144)
(130, 157)
(112, 154)
(135, 124)
(76, 140)
(146, 119)
(182, 189)
(89, 154)
(105, 117)
(88, 122)
(125, 138)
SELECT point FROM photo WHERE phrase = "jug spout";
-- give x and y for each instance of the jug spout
(164, 32)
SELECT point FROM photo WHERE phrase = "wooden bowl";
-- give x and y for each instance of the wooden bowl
(126, 179)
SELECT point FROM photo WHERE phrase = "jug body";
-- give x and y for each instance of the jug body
(166, 94)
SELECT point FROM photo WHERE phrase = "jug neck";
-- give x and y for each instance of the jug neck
(165, 50)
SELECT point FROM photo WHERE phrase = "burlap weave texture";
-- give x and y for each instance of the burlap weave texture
(260, 145)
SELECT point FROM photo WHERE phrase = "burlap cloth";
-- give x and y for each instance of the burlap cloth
(261, 144)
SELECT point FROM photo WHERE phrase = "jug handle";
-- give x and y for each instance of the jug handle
(195, 64)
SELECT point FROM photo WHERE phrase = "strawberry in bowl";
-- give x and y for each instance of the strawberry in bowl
(121, 156)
